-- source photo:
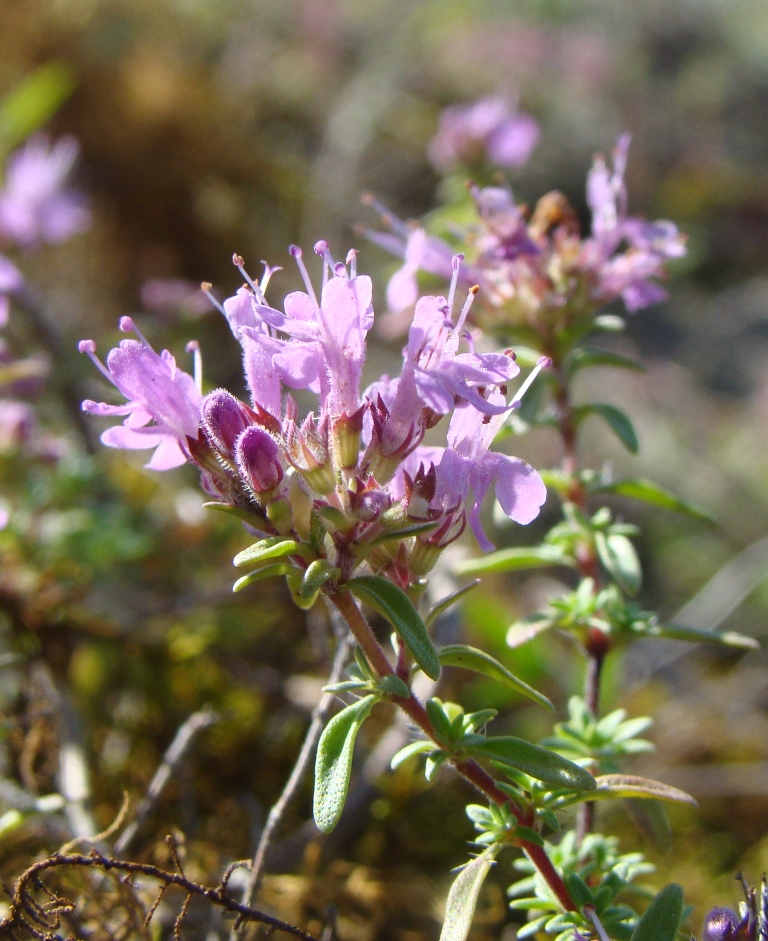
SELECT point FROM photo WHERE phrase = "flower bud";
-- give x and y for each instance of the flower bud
(258, 459)
(721, 924)
(224, 419)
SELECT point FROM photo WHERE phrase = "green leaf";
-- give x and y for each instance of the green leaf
(436, 610)
(439, 719)
(514, 560)
(32, 103)
(527, 628)
(700, 634)
(618, 556)
(462, 898)
(391, 602)
(650, 818)
(316, 575)
(649, 492)
(409, 750)
(630, 785)
(394, 686)
(535, 761)
(333, 764)
(582, 358)
(402, 533)
(615, 418)
(610, 786)
(578, 889)
(470, 658)
(274, 547)
(269, 571)
(662, 919)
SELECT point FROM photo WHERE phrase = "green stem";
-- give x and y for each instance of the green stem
(468, 768)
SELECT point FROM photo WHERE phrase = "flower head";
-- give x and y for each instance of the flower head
(34, 204)
(163, 408)
(485, 129)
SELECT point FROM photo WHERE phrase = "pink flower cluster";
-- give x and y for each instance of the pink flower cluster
(358, 457)
(534, 268)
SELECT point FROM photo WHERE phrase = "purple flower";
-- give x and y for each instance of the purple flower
(434, 377)
(316, 345)
(487, 128)
(163, 407)
(468, 468)
(34, 206)
(10, 281)
(650, 245)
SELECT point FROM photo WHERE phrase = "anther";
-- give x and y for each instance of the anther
(239, 263)
(206, 288)
(127, 325)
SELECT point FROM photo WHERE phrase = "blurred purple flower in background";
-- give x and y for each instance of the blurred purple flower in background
(10, 281)
(34, 204)
(487, 129)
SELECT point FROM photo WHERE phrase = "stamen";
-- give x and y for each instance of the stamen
(127, 325)
(544, 363)
(89, 348)
(323, 249)
(206, 288)
(387, 217)
(297, 254)
(193, 347)
(465, 309)
(239, 263)
(352, 262)
(265, 278)
(455, 263)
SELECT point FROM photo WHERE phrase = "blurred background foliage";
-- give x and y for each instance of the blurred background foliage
(245, 125)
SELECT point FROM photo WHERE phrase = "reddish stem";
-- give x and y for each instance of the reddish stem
(467, 767)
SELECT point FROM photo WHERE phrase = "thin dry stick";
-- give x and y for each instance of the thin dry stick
(319, 716)
(23, 908)
(173, 755)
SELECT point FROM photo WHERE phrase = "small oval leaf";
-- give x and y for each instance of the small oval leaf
(514, 560)
(582, 358)
(462, 898)
(619, 423)
(630, 785)
(618, 556)
(701, 634)
(470, 658)
(268, 571)
(391, 602)
(535, 761)
(662, 918)
(649, 492)
(333, 764)
(274, 547)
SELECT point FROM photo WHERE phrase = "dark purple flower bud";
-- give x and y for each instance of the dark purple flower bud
(368, 504)
(721, 924)
(258, 459)
(224, 419)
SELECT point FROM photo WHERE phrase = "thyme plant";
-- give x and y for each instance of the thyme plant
(349, 504)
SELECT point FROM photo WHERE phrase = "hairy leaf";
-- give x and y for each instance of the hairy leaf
(470, 658)
(662, 918)
(333, 764)
(274, 547)
(536, 761)
(462, 898)
(391, 602)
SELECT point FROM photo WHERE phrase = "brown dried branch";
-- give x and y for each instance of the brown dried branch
(27, 916)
